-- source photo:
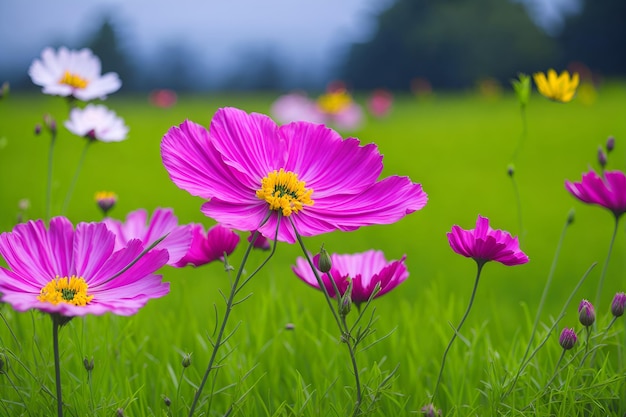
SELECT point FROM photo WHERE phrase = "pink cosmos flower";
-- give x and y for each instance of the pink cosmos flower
(485, 244)
(163, 222)
(608, 191)
(97, 122)
(77, 272)
(365, 270)
(251, 170)
(73, 73)
(261, 241)
(209, 247)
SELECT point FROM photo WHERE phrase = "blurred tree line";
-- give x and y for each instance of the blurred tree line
(454, 43)
(444, 43)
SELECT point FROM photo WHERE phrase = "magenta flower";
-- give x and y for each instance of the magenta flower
(261, 241)
(586, 313)
(251, 170)
(485, 244)
(365, 270)
(608, 191)
(77, 272)
(618, 303)
(163, 222)
(380, 102)
(568, 338)
(209, 247)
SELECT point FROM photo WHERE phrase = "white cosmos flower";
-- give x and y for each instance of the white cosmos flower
(97, 122)
(73, 73)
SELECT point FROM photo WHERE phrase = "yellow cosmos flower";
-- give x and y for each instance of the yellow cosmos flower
(558, 88)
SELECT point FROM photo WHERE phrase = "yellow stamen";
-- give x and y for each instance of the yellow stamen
(73, 80)
(283, 191)
(334, 102)
(63, 290)
(105, 195)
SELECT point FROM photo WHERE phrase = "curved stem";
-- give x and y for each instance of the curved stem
(229, 306)
(355, 367)
(57, 364)
(456, 331)
(49, 180)
(544, 295)
(70, 191)
(606, 264)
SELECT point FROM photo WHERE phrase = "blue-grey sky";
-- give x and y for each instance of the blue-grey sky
(305, 31)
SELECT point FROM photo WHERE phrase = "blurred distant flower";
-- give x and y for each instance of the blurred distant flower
(568, 338)
(340, 110)
(163, 98)
(608, 191)
(380, 102)
(261, 241)
(97, 122)
(521, 86)
(485, 244)
(208, 247)
(73, 73)
(430, 410)
(105, 200)
(295, 107)
(558, 88)
(163, 222)
(366, 271)
(610, 144)
(489, 88)
(602, 157)
(70, 272)
(253, 173)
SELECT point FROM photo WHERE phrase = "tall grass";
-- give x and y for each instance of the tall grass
(285, 358)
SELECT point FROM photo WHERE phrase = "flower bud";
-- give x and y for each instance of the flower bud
(429, 410)
(50, 123)
(37, 129)
(617, 306)
(186, 360)
(119, 412)
(586, 313)
(510, 170)
(602, 159)
(167, 401)
(570, 216)
(88, 364)
(106, 200)
(610, 144)
(568, 338)
(324, 261)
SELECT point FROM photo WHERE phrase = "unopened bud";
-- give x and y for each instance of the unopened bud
(586, 313)
(571, 216)
(601, 157)
(324, 263)
(429, 410)
(568, 338)
(617, 306)
(119, 412)
(186, 360)
(167, 401)
(50, 123)
(38, 129)
(106, 200)
(88, 364)
(610, 144)
(510, 170)
(345, 303)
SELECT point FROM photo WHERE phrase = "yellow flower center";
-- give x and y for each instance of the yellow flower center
(283, 191)
(334, 102)
(70, 290)
(105, 195)
(73, 80)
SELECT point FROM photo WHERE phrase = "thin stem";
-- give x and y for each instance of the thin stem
(49, 180)
(229, 306)
(556, 370)
(355, 367)
(57, 364)
(456, 331)
(544, 296)
(70, 191)
(606, 264)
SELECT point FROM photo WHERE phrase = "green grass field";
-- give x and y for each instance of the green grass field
(458, 146)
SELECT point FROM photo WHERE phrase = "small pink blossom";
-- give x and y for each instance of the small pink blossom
(209, 247)
(608, 191)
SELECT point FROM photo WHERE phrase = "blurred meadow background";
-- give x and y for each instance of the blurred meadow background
(457, 139)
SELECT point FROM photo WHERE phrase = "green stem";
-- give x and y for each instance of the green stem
(70, 191)
(544, 296)
(355, 368)
(234, 289)
(606, 264)
(556, 371)
(49, 180)
(57, 364)
(458, 329)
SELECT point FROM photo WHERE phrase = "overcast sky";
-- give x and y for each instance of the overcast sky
(310, 31)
